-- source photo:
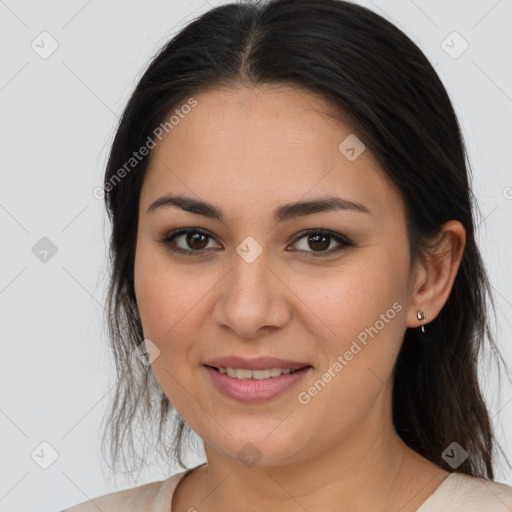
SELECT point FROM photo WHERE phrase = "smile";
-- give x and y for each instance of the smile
(253, 386)
(243, 373)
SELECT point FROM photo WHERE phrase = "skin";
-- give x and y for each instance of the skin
(248, 151)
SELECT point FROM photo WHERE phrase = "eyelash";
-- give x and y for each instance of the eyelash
(168, 241)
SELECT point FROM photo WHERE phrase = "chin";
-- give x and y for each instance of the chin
(258, 449)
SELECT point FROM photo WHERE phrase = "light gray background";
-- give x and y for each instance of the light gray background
(58, 119)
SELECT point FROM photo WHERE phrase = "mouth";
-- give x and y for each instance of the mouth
(262, 374)
(255, 385)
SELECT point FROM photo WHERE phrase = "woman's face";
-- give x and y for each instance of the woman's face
(264, 286)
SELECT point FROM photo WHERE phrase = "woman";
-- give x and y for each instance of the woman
(295, 270)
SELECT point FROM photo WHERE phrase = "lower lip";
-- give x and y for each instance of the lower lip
(252, 390)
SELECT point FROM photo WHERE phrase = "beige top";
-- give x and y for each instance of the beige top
(457, 493)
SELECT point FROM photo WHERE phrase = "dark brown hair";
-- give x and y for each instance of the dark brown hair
(379, 81)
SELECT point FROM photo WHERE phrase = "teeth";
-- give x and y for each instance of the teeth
(242, 373)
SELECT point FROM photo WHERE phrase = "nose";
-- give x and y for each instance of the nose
(253, 299)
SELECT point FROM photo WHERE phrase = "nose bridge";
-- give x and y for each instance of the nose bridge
(249, 278)
(251, 296)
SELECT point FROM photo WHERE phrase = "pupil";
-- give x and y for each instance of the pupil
(314, 238)
(192, 238)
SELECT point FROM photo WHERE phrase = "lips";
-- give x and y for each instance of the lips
(255, 391)
(260, 363)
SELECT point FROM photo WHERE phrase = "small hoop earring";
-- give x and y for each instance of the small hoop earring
(422, 316)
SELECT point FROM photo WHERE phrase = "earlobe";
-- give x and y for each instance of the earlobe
(435, 279)
(422, 317)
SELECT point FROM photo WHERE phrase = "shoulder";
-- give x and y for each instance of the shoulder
(152, 497)
(465, 493)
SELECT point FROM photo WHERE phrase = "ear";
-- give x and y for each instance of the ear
(433, 279)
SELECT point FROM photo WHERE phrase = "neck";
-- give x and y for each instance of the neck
(371, 469)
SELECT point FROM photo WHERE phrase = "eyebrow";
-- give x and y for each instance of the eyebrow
(281, 214)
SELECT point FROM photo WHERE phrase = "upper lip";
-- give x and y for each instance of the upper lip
(259, 363)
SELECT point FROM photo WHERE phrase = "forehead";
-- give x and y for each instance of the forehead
(264, 144)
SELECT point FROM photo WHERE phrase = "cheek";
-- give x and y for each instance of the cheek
(362, 316)
(167, 306)
(358, 359)
(163, 292)
(173, 305)
(347, 301)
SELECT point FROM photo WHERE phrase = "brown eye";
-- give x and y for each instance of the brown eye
(319, 241)
(194, 242)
